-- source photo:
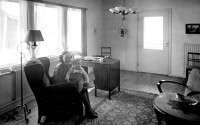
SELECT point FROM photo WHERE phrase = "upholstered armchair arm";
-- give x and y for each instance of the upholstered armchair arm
(165, 82)
(64, 88)
(62, 93)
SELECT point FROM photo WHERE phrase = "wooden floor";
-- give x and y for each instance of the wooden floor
(145, 82)
(138, 81)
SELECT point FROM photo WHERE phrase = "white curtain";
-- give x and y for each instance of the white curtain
(74, 30)
(61, 29)
(39, 21)
(23, 30)
(49, 19)
(12, 30)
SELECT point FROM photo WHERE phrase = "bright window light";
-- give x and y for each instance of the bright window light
(74, 30)
(47, 22)
(9, 33)
(153, 33)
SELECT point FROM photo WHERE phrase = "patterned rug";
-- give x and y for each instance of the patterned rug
(126, 107)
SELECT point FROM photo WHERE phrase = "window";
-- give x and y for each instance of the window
(9, 32)
(61, 28)
(74, 30)
(153, 33)
(50, 20)
(47, 20)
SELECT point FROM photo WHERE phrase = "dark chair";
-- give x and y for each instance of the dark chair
(106, 51)
(51, 98)
(191, 88)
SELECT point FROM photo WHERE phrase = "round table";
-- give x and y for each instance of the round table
(169, 108)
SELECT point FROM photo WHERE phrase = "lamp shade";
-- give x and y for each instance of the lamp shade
(34, 36)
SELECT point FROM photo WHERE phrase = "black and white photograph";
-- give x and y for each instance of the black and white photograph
(99, 62)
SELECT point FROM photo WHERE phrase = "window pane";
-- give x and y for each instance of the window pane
(47, 21)
(9, 33)
(153, 33)
(74, 30)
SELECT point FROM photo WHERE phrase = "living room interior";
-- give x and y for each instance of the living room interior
(100, 28)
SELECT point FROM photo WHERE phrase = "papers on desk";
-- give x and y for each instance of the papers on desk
(91, 58)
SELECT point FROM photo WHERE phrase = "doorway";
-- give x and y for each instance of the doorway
(154, 38)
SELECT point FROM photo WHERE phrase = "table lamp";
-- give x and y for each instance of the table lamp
(32, 37)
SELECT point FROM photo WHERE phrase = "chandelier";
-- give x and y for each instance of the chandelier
(122, 10)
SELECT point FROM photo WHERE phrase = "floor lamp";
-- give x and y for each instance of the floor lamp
(23, 106)
(31, 38)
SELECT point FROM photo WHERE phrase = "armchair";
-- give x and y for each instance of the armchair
(50, 97)
(191, 88)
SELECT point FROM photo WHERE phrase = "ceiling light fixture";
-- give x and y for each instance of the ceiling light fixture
(122, 10)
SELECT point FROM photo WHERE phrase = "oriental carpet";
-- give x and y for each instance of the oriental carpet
(126, 107)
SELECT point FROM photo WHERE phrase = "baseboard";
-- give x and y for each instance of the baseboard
(179, 76)
(12, 105)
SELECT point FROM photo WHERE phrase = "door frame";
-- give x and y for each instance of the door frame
(169, 11)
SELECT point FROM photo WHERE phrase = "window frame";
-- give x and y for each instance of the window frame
(30, 26)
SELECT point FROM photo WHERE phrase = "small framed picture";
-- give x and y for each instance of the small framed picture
(192, 28)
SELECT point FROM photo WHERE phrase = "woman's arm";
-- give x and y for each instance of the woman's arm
(68, 74)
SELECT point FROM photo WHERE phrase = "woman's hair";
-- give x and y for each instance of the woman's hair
(64, 53)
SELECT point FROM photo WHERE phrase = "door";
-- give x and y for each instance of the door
(153, 41)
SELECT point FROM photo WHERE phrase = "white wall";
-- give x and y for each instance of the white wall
(183, 12)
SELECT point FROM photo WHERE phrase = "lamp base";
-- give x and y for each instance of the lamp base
(33, 57)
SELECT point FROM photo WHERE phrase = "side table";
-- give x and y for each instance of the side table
(167, 108)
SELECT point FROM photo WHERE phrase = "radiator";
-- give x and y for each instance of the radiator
(194, 48)
(190, 47)
(10, 89)
(7, 88)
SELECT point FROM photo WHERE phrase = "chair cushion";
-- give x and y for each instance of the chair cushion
(193, 82)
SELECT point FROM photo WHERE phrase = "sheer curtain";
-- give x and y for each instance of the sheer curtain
(74, 30)
(13, 28)
(49, 19)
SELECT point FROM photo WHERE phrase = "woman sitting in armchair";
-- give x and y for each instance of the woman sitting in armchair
(59, 75)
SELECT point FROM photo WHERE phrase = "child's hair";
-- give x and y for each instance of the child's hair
(76, 60)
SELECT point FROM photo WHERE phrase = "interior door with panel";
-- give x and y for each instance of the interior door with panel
(153, 41)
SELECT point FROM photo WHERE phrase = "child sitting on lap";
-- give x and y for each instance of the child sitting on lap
(78, 75)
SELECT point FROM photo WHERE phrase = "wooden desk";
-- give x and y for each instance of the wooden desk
(168, 109)
(107, 74)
